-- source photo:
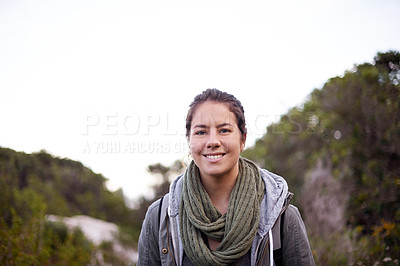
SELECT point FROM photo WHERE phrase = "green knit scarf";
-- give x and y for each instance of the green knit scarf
(236, 229)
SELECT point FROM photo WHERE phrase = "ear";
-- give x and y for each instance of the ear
(243, 142)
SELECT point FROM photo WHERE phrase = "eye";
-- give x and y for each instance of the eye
(225, 130)
(200, 132)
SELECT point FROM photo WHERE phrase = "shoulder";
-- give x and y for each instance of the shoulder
(296, 247)
(152, 214)
(153, 207)
(292, 220)
(292, 213)
(148, 240)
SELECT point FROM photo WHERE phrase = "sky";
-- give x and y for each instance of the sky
(108, 83)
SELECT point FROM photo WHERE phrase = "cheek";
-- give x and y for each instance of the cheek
(235, 144)
(195, 146)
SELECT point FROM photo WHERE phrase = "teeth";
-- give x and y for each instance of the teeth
(212, 157)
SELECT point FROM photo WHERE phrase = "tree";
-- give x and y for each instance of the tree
(343, 146)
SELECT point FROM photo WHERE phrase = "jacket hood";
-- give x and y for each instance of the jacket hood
(175, 192)
(276, 191)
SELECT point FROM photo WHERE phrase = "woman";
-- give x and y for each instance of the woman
(223, 210)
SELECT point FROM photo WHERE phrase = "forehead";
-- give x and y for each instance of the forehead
(213, 112)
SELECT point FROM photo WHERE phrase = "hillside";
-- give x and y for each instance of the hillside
(340, 153)
(39, 184)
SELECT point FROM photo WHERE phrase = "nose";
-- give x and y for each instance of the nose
(213, 140)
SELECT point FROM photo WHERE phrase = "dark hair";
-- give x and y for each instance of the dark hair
(215, 95)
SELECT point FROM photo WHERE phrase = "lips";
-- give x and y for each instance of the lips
(214, 156)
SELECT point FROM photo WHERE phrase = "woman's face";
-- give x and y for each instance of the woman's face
(215, 140)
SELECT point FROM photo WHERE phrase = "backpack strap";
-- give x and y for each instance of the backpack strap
(278, 252)
(279, 233)
(162, 208)
(164, 241)
(159, 211)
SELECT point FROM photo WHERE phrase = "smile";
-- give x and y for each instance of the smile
(214, 156)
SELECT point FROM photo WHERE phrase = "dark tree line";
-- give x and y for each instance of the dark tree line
(340, 153)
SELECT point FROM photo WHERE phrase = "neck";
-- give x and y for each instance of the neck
(219, 188)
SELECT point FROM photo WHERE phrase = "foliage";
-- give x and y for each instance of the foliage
(110, 257)
(30, 240)
(340, 153)
(161, 187)
(33, 185)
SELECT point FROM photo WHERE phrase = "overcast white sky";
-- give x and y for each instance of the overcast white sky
(108, 83)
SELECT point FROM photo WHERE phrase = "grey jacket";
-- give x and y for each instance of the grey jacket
(160, 244)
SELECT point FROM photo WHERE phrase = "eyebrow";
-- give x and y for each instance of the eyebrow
(218, 126)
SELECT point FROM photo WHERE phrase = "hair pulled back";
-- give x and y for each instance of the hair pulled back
(218, 96)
